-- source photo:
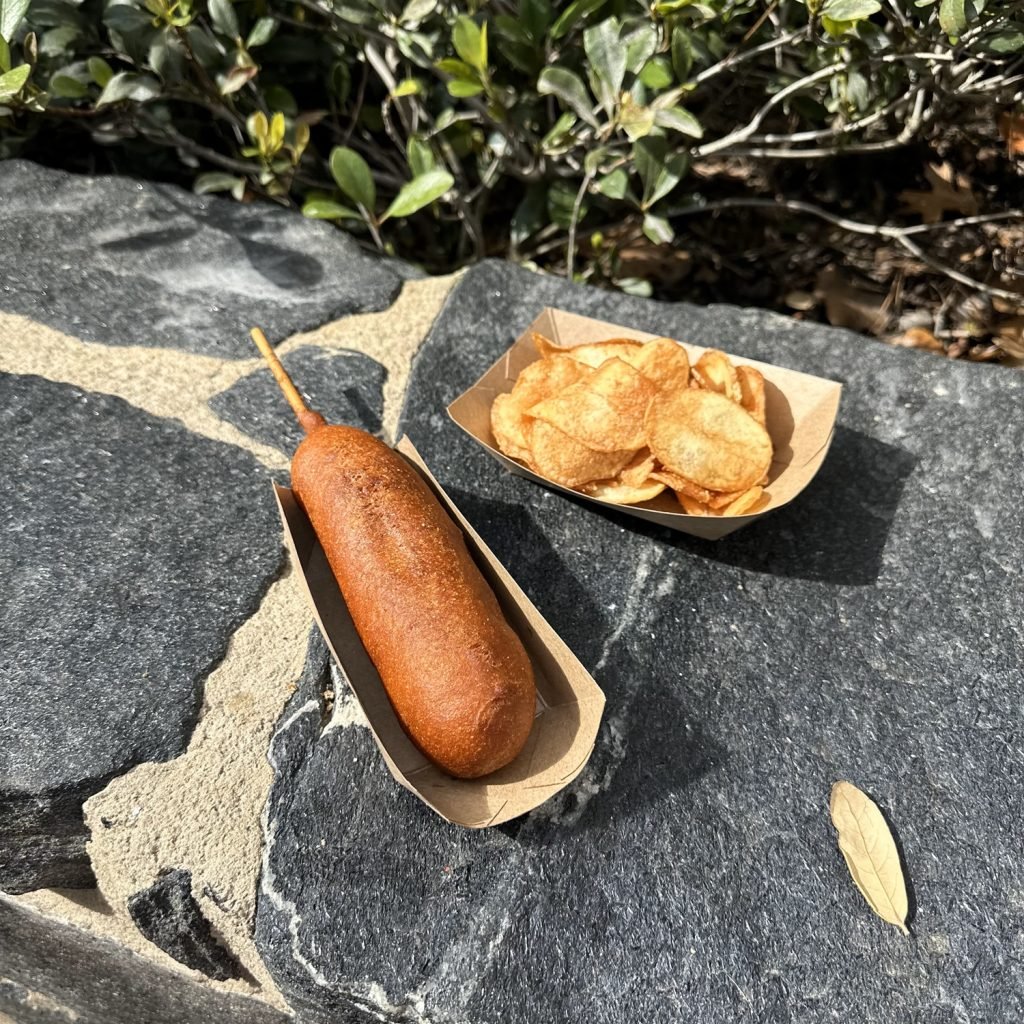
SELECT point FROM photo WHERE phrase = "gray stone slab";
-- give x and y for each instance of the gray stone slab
(870, 631)
(126, 262)
(132, 549)
(346, 387)
(54, 973)
(169, 916)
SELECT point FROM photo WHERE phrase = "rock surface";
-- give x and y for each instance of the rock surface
(345, 387)
(170, 917)
(132, 551)
(869, 631)
(53, 973)
(138, 263)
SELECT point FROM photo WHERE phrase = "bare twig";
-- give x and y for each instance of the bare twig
(899, 235)
(744, 133)
(733, 59)
(570, 258)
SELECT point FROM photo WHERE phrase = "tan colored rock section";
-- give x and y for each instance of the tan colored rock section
(202, 810)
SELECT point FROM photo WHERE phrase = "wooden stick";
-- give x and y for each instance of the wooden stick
(308, 419)
(291, 392)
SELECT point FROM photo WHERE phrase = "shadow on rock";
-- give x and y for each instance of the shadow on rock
(524, 550)
(834, 532)
(650, 743)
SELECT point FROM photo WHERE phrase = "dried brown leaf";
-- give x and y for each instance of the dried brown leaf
(948, 193)
(918, 337)
(846, 305)
(870, 852)
(1010, 336)
(1011, 128)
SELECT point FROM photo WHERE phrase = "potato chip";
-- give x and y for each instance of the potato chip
(545, 378)
(538, 381)
(709, 440)
(691, 506)
(745, 503)
(507, 423)
(545, 346)
(639, 469)
(622, 493)
(751, 383)
(714, 372)
(592, 355)
(605, 410)
(559, 457)
(682, 485)
(662, 361)
(719, 499)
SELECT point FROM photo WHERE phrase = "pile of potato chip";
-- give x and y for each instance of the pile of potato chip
(623, 420)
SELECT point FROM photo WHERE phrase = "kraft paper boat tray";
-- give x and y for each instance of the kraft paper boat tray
(569, 702)
(800, 411)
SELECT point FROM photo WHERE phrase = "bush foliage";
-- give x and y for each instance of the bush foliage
(446, 131)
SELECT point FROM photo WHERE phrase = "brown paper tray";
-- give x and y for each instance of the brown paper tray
(800, 410)
(569, 702)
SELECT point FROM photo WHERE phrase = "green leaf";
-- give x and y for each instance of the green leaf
(11, 13)
(416, 10)
(576, 11)
(352, 173)
(67, 86)
(641, 43)
(635, 286)
(279, 98)
(11, 82)
(1007, 41)
(850, 10)
(561, 200)
(340, 81)
(679, 120)
(952, 17)
(261, 32)
(55, 41)
(636, 120)
(420, 192)
(659, 170)
(127, 85)
(657, 74)
(419, 156)
(100, 70)
(529, 216)
(216, 181)
(470, 42)
(407, 87)
(857, 89)
(459, 87)
(615, 184)
(327, 209)
(258, 127)
(560, 137)
(682, 53)
(275, 137)
(418, 47)
(607, 57)
(569, 88)
(5, 55)
(658, 229)
(457, 68)
(224, 19)
(535, 16)
(837, 29)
